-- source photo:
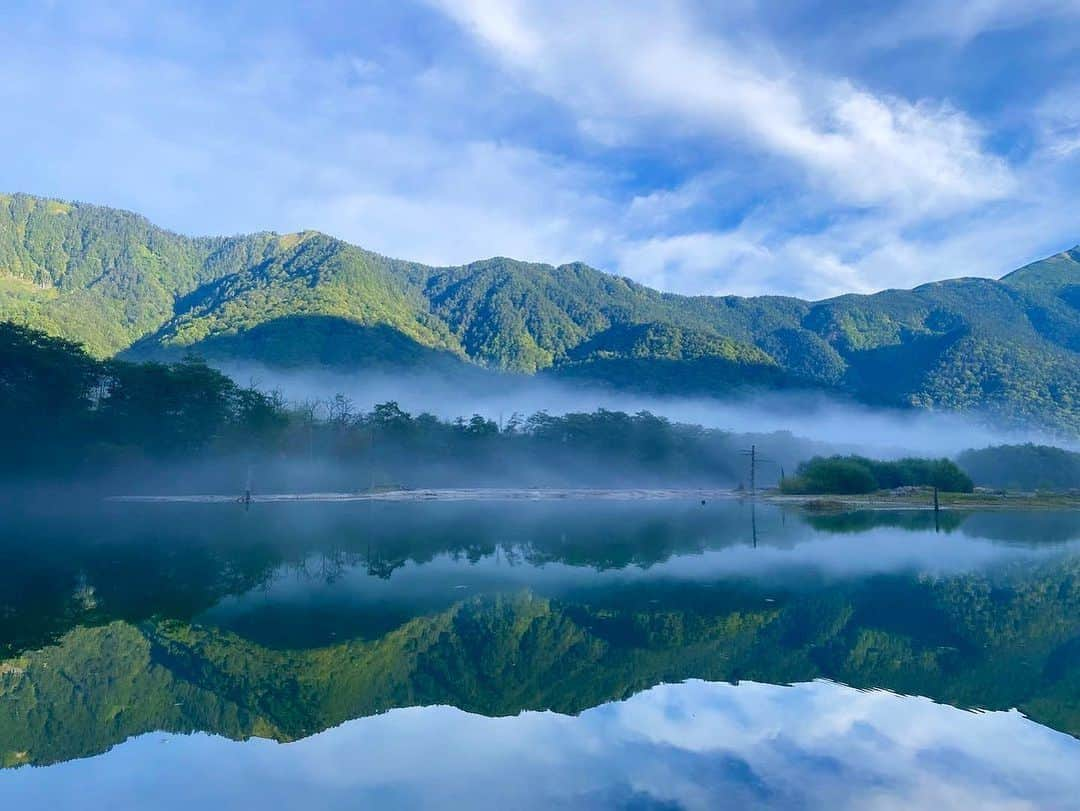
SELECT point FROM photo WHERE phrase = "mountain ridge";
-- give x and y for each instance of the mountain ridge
(117, 283)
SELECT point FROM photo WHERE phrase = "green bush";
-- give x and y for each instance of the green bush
(833, 475)
(850, 475)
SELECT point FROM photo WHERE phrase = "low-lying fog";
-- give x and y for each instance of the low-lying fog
(848, 426)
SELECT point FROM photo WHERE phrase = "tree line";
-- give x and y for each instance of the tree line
(72, 415)
(1023, 467)
(67, 414)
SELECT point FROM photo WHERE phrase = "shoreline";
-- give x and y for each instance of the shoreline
(918, 500)
(451, 494)
(924, 500)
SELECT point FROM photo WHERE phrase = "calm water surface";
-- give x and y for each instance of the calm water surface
(583, 655)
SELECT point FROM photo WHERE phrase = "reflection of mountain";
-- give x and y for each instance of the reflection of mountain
(165, 560)
(989, 641)
(98, 566)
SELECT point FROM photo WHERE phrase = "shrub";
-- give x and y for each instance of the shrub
(850, 475)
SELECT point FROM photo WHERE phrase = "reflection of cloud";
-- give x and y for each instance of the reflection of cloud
(877, 551)
(691, 745)
(788, 555)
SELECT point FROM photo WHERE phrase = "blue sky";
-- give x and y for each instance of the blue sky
(746, 146)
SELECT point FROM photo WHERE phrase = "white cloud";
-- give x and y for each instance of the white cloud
(1058, 122)
(691, 153)
(879, 191)
(859, 254)
(286, 141)
(641, 70)
(695, 263)
(966, 19)
(440, 203)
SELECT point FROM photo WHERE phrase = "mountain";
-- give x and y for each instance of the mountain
(112, 280)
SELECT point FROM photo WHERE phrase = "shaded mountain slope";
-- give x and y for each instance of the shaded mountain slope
(296, 341)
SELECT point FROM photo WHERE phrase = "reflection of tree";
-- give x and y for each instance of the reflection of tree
(383, 568)
(152, 565)
(148, 564)
(857, 521)
(995, 642)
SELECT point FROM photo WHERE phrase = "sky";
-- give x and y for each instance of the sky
(698, 146)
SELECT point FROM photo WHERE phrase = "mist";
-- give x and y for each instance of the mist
(839, 426)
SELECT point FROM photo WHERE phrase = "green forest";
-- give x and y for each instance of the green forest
(120, 286)
(82, 417)
(1023, 467)
(180, 424)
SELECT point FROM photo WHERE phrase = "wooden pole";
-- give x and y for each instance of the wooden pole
(753, 471)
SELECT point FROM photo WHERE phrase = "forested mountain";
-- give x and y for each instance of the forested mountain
(115, 282)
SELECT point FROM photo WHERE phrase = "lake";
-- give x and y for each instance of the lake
(575, 653)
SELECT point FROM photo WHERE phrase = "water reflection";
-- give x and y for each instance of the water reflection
(287, 621)
(694, 745)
